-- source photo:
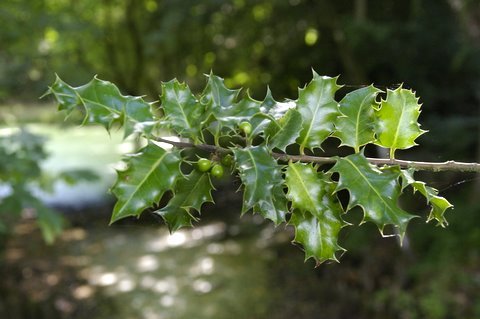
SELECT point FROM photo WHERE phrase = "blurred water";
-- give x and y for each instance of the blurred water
(71, 148)
(133, 271)
(144, 272)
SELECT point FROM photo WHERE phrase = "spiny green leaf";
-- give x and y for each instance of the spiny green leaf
(190, 192)
(355, 127)
(268, 102)
(439, 204)
(183, 112)
(316, 103)
(375, 191)
(285, 131)
(221, 103)
(239, 112)
(262, 178)
(397, 126)
(150, 173)
(104, 104)
(216, 95)
(271, 110)
(316, 211)
(263, 118)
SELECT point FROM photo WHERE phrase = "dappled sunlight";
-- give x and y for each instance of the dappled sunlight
(143, 272)
(74, 234)
(147, 263)
(204, 266)
(183, 238)
(202, 286)
(126, 285)
(83, 292)
(176, 239)
(105, 279)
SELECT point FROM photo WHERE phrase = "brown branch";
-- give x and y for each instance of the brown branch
(419, 166)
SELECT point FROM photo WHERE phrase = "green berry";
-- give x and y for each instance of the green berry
(227, 160)
(245, 127)
(217, 171)
(204, 164)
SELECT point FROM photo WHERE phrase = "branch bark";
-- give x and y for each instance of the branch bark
(416, 165)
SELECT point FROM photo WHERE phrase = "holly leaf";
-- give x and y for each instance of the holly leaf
(355, 126)
(397, 120)
(375, 191)
(262, 178)
(190, 193)
(150, 173)
(285, 131)
(262, 119)
(183, 112)
(244, 110)
(271, 115)
(105, 105)
(316, 212)
(316, 103)
(216, 94)
(218, 100)
(268, 102)
(438, 204)
(221, 105)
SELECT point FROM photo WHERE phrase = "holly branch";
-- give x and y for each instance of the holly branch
(250, 141)
(452, 166)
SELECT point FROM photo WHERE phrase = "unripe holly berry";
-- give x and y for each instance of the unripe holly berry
(204, 164)
(245, 127)
(217, 171)
(227, 160)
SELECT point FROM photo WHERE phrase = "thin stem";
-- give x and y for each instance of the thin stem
(416, 165)
(392, 153)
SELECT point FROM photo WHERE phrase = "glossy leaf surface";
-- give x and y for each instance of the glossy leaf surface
(438, 204)
(190, 193)
(285, 131)
(316, 103)
(397, 126)
(150, 173)
(316, 211)
(355, 126)
(375, 191)
(104, 104)
(183, 113)
(221, 103)
(263, 183)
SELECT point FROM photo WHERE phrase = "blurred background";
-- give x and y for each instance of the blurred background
(228, 267)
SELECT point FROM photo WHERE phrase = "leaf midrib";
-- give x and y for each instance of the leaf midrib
(369, 184)
(187, 122)
(304, 187)
(310, 199)
(249, 152)
(357, 123)
(310, 124)
(145, 178)
(395, 138)
(191, 192)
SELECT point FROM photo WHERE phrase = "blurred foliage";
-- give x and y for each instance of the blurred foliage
(20, 156)
(252, 43)
(22, 180)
